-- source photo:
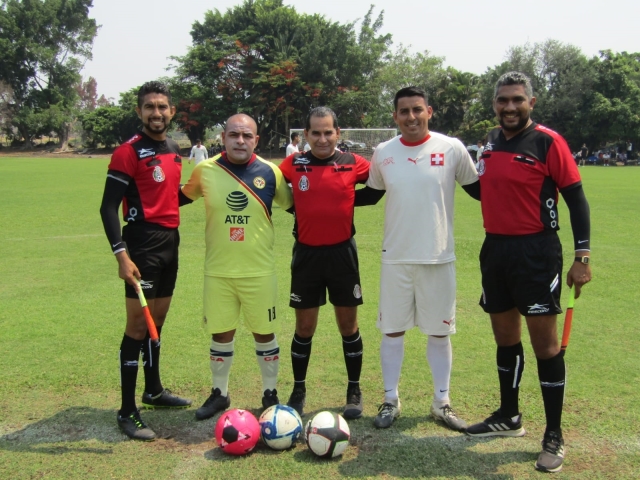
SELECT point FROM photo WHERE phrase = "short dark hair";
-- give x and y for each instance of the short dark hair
(198, 140)
(322, 112)
(410, 92)
(514, 78)
(153, 87)
(294, 135)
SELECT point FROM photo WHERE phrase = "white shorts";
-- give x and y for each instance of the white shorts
(418, 295)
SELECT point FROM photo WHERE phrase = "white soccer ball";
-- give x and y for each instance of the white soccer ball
(327, 434)
(280, 427)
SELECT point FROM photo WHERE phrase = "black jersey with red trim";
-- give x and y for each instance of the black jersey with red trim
(520, 179)
(324, 195)
(154, 170)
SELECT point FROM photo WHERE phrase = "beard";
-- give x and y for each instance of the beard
(155, 128)
(522, 123)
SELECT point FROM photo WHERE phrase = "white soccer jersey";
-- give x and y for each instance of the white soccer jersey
(420, 180)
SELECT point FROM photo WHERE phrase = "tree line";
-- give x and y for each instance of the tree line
(265, 59)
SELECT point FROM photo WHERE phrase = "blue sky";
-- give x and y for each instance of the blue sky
(137, 37)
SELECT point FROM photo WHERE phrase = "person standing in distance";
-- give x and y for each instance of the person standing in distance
(240, 276)
(293, 146)
(418, 170)
(523, 167)
(144, 175)
(199, 152)
(324, 254)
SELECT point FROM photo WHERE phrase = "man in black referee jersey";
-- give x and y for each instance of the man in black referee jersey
(523, 167)
(144, 175)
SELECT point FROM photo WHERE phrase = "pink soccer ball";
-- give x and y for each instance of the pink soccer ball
(237, 432)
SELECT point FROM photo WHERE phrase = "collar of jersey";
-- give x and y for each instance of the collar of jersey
(528, 129)
(251, 160)
(415, 144)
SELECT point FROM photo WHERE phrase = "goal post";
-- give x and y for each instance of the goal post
(356, 140)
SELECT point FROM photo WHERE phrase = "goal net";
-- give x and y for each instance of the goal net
(356, 140)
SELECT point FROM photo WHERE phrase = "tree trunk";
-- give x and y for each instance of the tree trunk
(24, 131)
(63, 134)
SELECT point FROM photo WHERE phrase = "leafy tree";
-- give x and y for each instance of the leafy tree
(265, 59)
(43, 44)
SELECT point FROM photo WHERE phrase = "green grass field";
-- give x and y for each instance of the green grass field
(62, 319)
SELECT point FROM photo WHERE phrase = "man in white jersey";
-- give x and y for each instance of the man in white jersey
(418, 170)
(199, 152)
(293, 146)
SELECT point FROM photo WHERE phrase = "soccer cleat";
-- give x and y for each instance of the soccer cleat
(497, 425)
(297, 399)
(387, 413)
(552, 455)
(212, 405)
(353, 408)
(133, 427)
(270, 398)
(446, 415)
(164, 399)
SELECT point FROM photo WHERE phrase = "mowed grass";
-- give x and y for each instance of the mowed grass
(62, 319)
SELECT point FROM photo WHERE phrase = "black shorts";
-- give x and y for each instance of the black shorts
(521, 271)
(314, 270)
(154, 250)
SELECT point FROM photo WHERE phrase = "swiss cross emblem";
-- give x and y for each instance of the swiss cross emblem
(437, 159)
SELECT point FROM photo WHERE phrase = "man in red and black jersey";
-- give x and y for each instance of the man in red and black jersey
(522, 168)
(324, 255)
(144, 175)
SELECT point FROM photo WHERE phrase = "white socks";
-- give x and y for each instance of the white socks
(391, 356)
(268, 355)
(221, 356)
(440, 358)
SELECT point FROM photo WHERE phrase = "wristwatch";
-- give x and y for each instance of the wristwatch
(584, 260)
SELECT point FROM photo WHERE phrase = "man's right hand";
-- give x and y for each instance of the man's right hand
(127, 270)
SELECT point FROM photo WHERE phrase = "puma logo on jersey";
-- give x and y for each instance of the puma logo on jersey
(415, 162)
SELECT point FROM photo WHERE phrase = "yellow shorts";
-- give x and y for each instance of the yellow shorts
(225, 298)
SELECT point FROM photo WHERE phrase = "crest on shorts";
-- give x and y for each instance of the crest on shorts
(303, 184)
(259, 182)
(357, 291)
(158, 174)
(481, 167)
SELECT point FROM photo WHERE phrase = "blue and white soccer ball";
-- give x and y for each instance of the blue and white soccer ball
(280, 427)
(327, 434)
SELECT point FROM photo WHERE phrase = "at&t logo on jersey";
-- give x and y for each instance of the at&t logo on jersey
(437, 159)
(158, 174)
(303, 184)
(236, 234)
(237, 201)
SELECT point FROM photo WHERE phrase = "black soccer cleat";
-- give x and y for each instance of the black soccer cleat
(212, 405)
(270, 398)
(164, 399)
(552, 455)
(497, 425)
(353, 408)
(297, 399)
(133, 427)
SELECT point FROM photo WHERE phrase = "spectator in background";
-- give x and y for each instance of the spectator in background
(199, 152)
(479, 152)
(584, 152)
(293, 146)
